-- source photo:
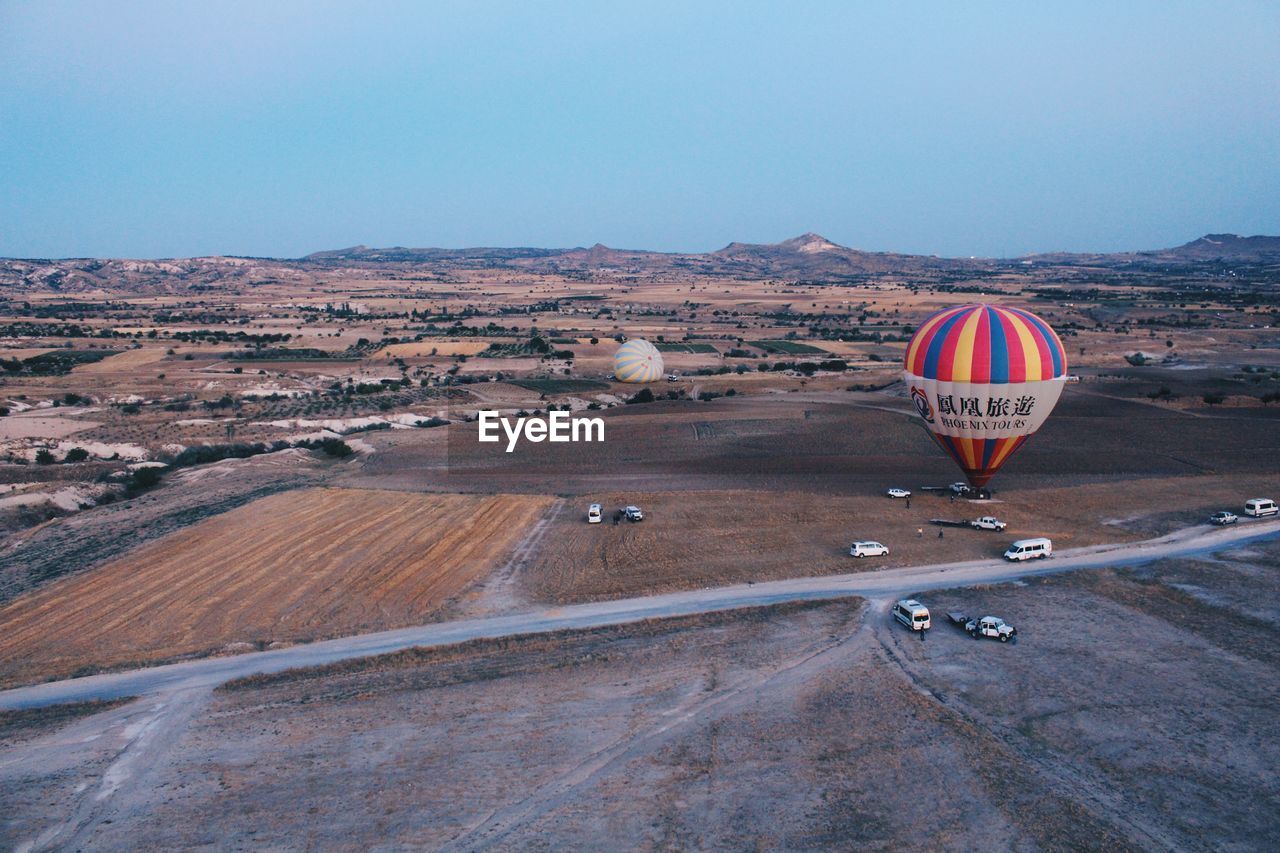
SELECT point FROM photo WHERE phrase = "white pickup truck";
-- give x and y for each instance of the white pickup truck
(991, 626)
(987, 522)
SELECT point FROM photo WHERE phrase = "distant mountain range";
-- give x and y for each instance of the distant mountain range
(809, 257)
(808, 254)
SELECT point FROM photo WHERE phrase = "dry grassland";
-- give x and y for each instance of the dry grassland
(28, 352)
(422, 349)
(290, 567)
(694, 539)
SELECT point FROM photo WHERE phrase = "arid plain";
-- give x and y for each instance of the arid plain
(218, 456)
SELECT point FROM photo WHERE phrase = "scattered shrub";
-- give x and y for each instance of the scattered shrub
(644, 395)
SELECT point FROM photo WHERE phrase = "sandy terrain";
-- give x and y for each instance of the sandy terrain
(41, 423)
(795, 727)
(293, 566)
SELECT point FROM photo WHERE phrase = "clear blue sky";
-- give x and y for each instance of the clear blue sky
(277, 128)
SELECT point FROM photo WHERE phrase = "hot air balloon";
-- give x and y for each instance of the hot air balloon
(984, 379)
(637, 361)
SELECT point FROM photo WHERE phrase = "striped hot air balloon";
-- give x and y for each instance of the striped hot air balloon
(637, 361)
(984, 379)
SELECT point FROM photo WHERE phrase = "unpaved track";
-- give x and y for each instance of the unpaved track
(1103, 799)
(210, 672)
(499, 825)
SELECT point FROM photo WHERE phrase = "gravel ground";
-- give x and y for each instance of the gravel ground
(1110, 723)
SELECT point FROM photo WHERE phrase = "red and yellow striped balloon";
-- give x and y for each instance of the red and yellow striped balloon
(984, 379)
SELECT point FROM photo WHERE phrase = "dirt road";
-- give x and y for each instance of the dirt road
(210, 672)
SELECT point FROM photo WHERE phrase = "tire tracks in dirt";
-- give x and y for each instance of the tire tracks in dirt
(501, 823)
(497, 593)
(1063, 778)
(147, 728)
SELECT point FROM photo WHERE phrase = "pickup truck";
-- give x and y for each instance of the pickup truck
(987, 522)
(991, 626)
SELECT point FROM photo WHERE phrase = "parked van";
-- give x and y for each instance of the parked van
(594, 514)
(868, 549)
(912, 613)
(1029, 549)
(1260, 507)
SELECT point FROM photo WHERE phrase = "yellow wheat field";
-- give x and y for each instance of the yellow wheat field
(124, 362)
(294, 566)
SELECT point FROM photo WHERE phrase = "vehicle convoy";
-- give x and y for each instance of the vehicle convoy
(913, 614)
(987, 522)
(898, 493)
(1223, 517)
(633, 513)
(1260, 507)
(1029, 549)
(594, 514)
(991, 626)
(868, 548)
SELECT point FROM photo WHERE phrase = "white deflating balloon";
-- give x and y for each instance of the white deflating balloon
(637, 361)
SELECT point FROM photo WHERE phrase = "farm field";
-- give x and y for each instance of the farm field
(291, 567)
(430, 348)
(1145, 458)
(692, 539)
(123, 362)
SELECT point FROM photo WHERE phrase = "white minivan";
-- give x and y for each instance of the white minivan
(868, 549)
(1260, 507)
(594, 514)
(912, 613)
(1029, 549)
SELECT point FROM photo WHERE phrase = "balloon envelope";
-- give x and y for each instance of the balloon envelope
(637, 361)
(984, 379)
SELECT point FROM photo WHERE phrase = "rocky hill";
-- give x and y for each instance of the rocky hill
(809, 257)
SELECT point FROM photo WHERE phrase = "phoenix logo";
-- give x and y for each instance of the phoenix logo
(923, 406)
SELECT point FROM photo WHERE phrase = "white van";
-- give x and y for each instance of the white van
(594, 514)
(912, 613)
(1029, 549)
(1260, 507)
(868, 549)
